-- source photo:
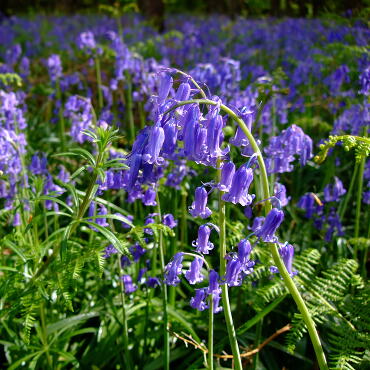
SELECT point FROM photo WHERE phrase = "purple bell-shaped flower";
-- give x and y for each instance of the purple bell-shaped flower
(199, 301)
(149, 197)
(202, 244)
(227, 174)
(130, 287)
(273, 220)
(199, 207)
(154, 145)
(193, 274)
(173, 270)
(239, 188)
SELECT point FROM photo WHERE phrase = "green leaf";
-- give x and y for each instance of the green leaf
(56, 200)
(114, 217)
(110, 237)
(69, 322)
(78, 172)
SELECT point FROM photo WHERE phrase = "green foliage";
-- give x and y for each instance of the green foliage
(337, 301)
(361, 146)
(10, 79)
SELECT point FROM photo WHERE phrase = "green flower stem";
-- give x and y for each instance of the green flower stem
(166, 334)
(257, 342)
(129, 107)
(210, 333)
(45, 336)
(173, 250)
(358, 202)
(124, 318)
(264, 184)
(184, 213)
(225, 292)
(343, 206)
(98, 79)
(62, 133)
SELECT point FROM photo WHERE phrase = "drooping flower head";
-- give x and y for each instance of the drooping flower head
(202, 244)
(227, 175)
(194, 274)
(129, 286)
(173, 270)
(240, 186)
(199, 301)
(272, 221)
(199, 207)
(332, 193)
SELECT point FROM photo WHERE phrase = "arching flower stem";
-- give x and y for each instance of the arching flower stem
(225, 291)
(264, 185)
(166, 334)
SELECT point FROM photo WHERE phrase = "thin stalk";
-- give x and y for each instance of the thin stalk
(62, 133)
(45, 336)
(257, 342)
(166, 334)
(98, 79)
(141, 115)
(358, 202)
(210, 333)
(184, 211)
(225, 293)
(173, 250)
(343, 206)
(129, 107)
(124, 318)
(264, 184)
(364, 271)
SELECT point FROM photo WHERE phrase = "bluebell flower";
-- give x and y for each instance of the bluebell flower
(272, 221)
(38, 164)
(165, 86)
(227, 174)
(199, 207)
(332, 193)
(194, 275)
(214, 290)
(244, 251)
(154, 145)
(140, 275)
(182, 92)
(286, 251)
(54, 65)
(109, 250)
(134, 163)
(149, 197)
(280, 193)
(199, 301)
(17, 219)
(137, 251)
(170, 137)
(173, 270)
(233, 273)
(152, 282)
(169, 220)
(309, 204)
(238, 193)
(202, 244)
(213, 285)
(215, 137)
(86, 41)
(248, 212)
(129, 286)
(334, 225)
